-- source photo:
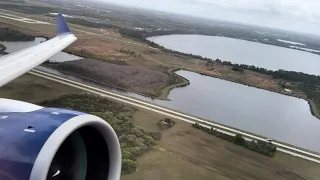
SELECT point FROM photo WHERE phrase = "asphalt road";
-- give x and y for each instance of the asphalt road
(174, 114)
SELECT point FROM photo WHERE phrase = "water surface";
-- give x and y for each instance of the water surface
(273, 115)
(262, 112)
(242, 52)
(16, 46)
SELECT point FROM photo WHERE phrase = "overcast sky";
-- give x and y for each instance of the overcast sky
(297, 15)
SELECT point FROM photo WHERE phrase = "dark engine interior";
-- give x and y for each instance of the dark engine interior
(82, 156)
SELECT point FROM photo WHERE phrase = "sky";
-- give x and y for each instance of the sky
(295, 15)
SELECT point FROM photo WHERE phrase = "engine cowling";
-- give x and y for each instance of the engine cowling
(51, 143)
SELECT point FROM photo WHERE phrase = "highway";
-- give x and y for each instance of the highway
(174, 114)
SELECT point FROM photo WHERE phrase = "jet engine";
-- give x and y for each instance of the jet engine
(39, 143)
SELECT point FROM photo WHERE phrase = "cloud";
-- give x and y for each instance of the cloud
(299, 15)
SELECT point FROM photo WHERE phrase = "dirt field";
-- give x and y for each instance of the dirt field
(187, 153)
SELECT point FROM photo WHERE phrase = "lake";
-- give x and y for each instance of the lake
(242, 52)
(262, 112)
(269, 114)
(16, 46)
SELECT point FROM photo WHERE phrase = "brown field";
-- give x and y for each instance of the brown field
(183, 152)
(133, 78)
(187, 153)
(100, 45)
(105, 48)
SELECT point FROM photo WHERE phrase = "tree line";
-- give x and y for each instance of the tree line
(8, 34)
(262, 147)
(279, 74)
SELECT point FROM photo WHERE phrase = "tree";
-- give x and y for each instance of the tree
(131, 138)
(239, 140)
(126, 154)
(128, 166)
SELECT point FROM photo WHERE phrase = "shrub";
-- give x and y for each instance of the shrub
(239, 140)
(262, 147)
(237, 69)
(155, 135)
(166, 123)
(128, 166)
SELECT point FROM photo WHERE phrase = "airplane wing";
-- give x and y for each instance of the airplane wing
(38, 143)
(18, 63)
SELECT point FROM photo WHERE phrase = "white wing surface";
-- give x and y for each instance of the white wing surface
(18, 63)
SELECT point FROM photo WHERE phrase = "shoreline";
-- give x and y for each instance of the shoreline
(312, 106)
(198, 34)
(195, 119)
(163, 96)
(166, 90)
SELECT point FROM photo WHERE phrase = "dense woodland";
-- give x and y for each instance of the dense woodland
(134, 78)
(7, 34)
(262, 147)
(134, 140)
(28, 8)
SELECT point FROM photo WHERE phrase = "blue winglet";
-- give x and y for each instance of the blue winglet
(62, 27)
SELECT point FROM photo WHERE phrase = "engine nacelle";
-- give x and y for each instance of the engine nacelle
(50, 143)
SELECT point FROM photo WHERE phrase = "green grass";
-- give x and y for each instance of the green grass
(34, 89)
(187, 153)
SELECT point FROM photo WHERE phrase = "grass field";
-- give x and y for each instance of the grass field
(186, 153)
(183, 152)
(107, 47)
(34, 89)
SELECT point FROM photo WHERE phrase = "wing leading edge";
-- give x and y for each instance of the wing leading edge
(18, 63)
